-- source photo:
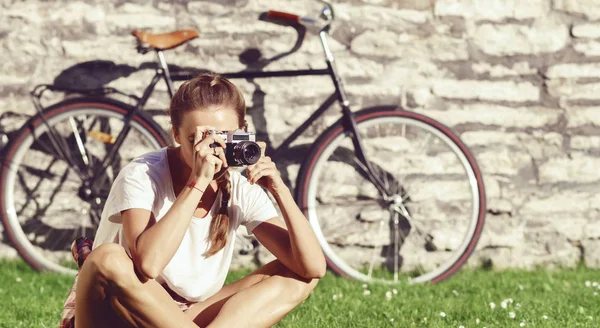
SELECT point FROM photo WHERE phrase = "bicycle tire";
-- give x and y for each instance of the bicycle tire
(309, 178)
(24, 142)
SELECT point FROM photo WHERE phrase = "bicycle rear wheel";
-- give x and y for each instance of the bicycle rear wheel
(47, 200)
(428, 223)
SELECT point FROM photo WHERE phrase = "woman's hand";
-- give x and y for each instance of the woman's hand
(207, 160)
(264, 172)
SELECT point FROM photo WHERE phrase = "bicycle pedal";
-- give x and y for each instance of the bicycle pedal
(102, 137)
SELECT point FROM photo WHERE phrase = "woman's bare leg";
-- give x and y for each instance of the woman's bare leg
(109, 294)
(260, 299)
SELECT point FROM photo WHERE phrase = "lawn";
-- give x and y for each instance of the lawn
(563, 298)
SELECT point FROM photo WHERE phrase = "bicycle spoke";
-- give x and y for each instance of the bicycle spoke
(80, 146)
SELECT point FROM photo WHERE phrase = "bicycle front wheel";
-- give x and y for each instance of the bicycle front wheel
(47, 198)
(425, 224)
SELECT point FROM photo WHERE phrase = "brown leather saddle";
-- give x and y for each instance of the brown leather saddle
(165, 41)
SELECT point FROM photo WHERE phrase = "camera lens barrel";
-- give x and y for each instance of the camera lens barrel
(246, 152)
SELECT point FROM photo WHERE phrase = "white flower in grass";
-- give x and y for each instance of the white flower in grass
(545, 317)
(509, 300)
(461, 326)
(366, 292)
(337, 296)
(443, 314)
(455, 292)
(364, 286)
(595, 283)
(492, 305)
(588, 283)
(518, 305)
(391, 319)
(395, 291)
(522, 324)
(424, 319)
(388, 295)
(18, 279)
(503, 304)
(512, 315)
(477, 321)
(521, 287)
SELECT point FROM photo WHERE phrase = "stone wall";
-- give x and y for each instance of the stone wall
(518, 81)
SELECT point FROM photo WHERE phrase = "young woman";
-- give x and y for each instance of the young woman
(166, 237)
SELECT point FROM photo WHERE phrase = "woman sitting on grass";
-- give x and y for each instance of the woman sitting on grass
(166, 237)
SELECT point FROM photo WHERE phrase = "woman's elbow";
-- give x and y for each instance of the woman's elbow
(147, 268)
(316, 271)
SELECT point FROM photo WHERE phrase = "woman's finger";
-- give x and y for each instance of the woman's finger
(220, 141)
(200, 133)
(264, 170)
(262, 173)
(254, 168)
(220, 153)
(263, 147)
(205, 152)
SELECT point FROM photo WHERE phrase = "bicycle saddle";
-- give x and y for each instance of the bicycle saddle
(165, 41)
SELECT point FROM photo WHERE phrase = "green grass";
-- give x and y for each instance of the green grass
(31, 299)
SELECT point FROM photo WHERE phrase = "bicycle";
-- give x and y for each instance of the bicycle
(368, 185)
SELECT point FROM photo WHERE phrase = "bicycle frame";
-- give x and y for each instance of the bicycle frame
(163, 73)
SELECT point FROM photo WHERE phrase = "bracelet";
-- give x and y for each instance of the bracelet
(193, 185)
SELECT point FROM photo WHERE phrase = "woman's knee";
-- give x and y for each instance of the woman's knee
(111, 262)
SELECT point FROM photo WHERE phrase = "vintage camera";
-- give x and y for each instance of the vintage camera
(241, 148)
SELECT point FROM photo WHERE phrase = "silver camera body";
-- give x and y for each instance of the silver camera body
(241, 147)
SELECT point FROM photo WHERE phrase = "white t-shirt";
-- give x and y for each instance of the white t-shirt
(146, 183)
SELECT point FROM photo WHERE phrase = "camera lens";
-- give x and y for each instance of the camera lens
(247, 152)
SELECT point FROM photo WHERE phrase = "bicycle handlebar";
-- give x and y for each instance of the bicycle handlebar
(288, 17)
(280, 15)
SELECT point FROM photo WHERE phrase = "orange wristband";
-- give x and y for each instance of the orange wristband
(193, 185)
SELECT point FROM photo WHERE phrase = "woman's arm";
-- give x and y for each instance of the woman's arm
(297, 247)
(152, 245)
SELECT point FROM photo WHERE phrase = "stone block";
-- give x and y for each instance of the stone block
(585, 142)
(520, 117)
(569, 90)
(8, 252)
(579, 116)
(573, 70)
(492, 10)
(591, 256)
(486, 90)
(137, 16)
(492, 186)
(538, 145)
(571, 225)
(503, 162)
(517, 69)
(589, 48)
(588, 31)
(527, 257)
(388, 44)
(587, 8)
(592, 230)
(566, 201)
(365, 17)
(544, 36)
